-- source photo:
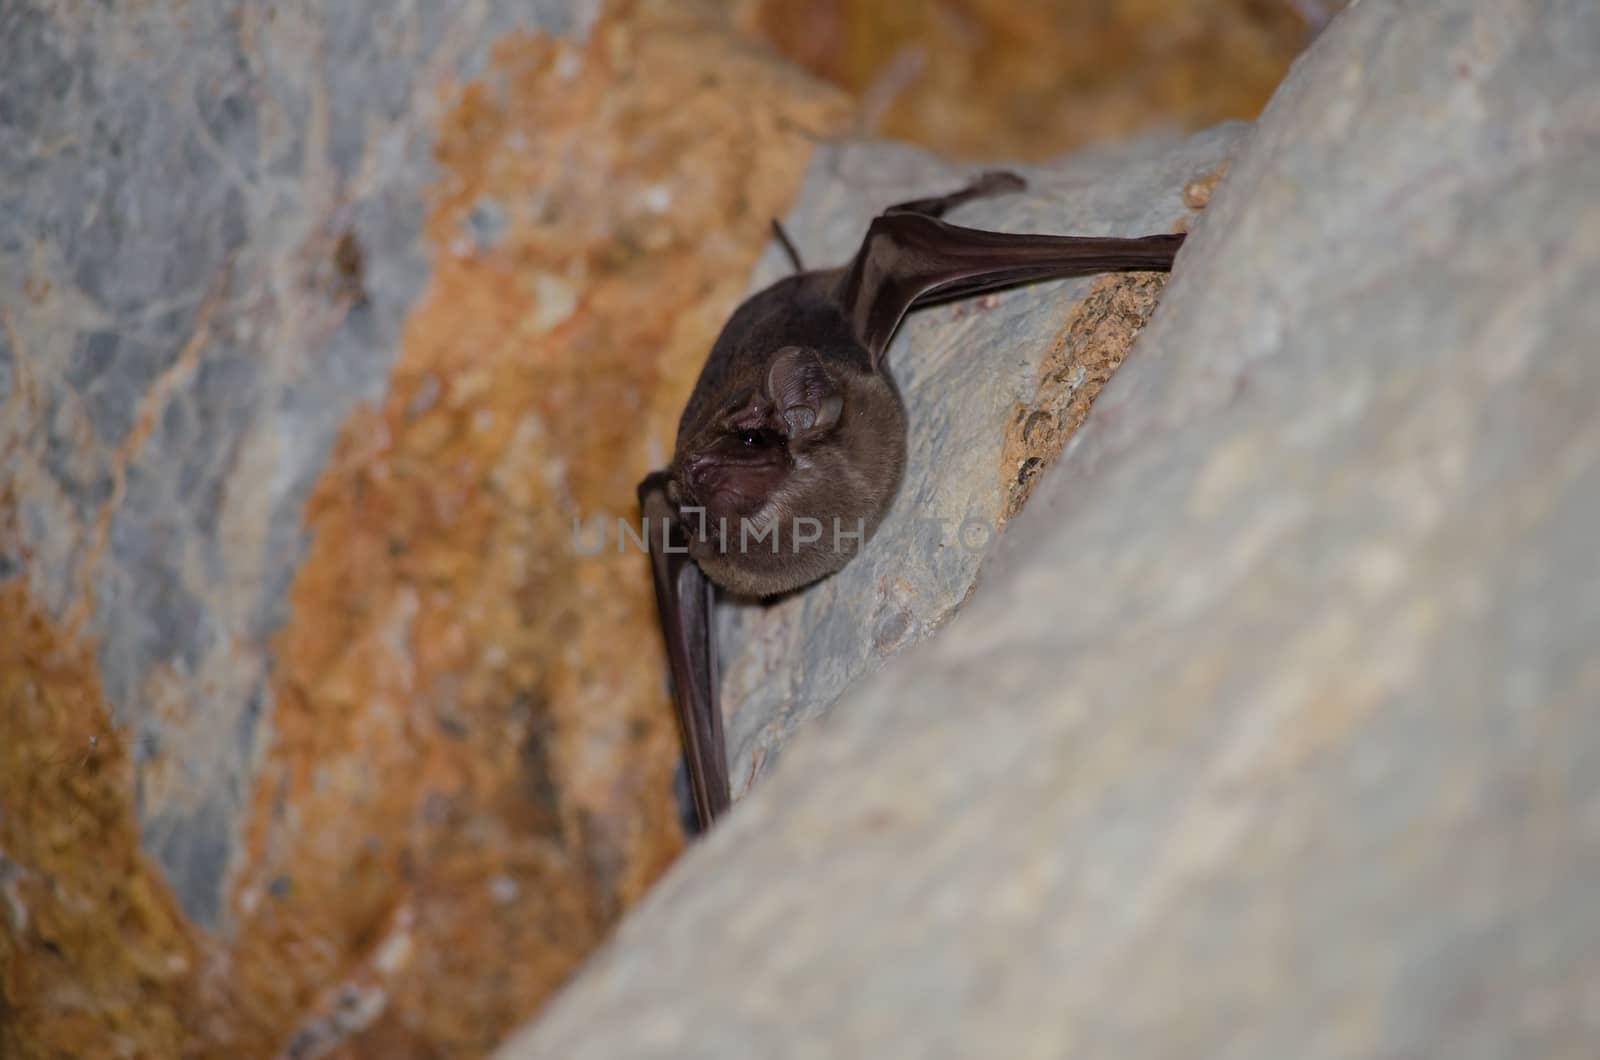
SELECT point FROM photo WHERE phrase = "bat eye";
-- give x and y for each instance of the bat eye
(760, 439)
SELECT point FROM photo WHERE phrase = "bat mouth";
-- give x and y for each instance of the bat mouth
(732, 484)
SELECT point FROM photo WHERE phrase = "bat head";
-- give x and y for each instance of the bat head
(784, 483)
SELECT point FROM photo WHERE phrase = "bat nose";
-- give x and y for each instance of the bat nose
(694, 474)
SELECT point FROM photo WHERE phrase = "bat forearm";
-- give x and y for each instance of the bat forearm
(684, 602)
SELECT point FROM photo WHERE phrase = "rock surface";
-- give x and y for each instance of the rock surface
(1270, 730)
(317, 327)
(983, 79)
(318, 330)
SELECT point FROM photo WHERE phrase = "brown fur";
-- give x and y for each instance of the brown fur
(849, 475)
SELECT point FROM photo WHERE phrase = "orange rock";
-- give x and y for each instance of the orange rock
(469, 767)
(996, 78)
(93, 949)
(472, 770)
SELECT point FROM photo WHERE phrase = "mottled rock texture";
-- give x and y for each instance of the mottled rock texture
(1271, 728)
(1034, 78)
(319, 327)
(318, 324)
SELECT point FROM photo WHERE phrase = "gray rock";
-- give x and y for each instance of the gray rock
(1270, 729)
(175, 183)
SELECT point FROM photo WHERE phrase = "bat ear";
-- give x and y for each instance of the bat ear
(806, 396)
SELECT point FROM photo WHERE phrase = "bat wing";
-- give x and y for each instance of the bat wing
(910, 258)
(684, 598)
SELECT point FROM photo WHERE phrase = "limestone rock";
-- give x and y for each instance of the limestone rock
(985, 79)
(318, 326)
(1270, 729)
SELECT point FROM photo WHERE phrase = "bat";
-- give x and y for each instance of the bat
(791, 447)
